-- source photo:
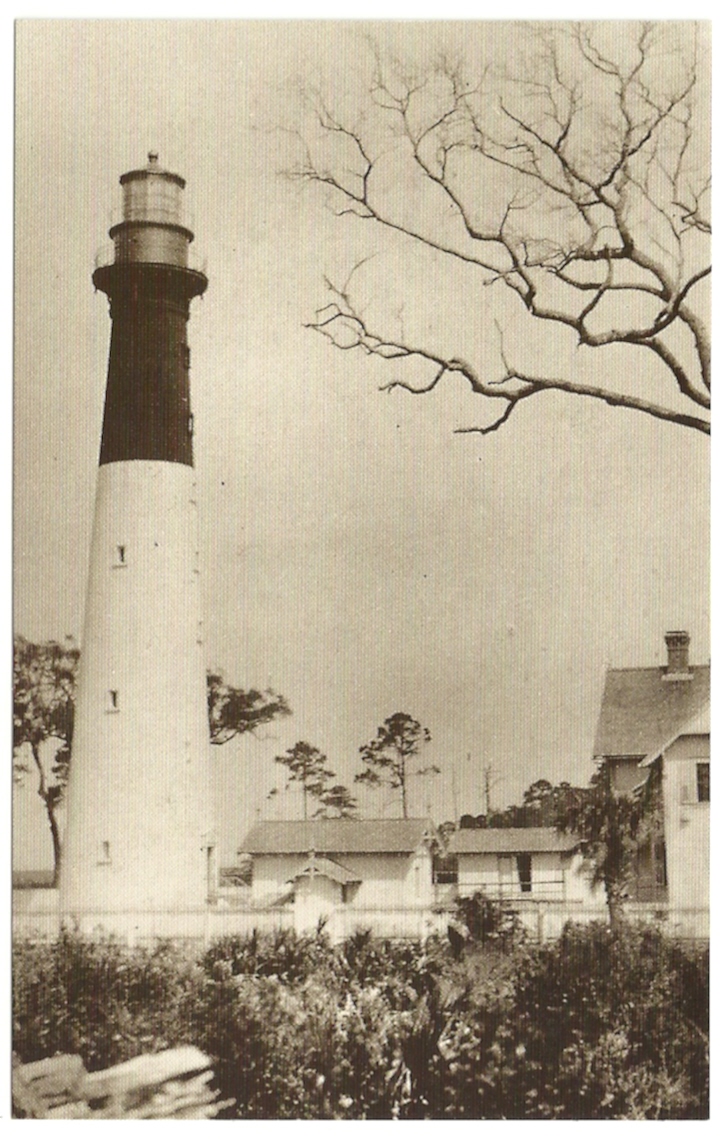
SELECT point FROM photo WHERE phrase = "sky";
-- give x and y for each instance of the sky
(356, 555)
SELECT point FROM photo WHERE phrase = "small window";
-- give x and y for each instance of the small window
(445, 871)
(104, 854)
(121, 554)
(524, 871)
(112, 699)
(190, 424)
(702, 774)
(661, 873)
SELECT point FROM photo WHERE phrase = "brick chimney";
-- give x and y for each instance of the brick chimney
(677, 642)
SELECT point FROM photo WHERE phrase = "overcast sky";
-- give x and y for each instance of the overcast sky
(357, 556)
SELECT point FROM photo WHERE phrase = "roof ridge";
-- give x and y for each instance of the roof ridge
(317, 822)
(652, 667)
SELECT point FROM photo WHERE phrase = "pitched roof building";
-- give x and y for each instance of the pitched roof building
(643, 708)
(366, 870)
(656, 721)
(522, 864)
(510, 840)
(338, 836)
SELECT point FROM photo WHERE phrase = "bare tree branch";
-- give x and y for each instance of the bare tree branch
(345, 328)
(598, 221)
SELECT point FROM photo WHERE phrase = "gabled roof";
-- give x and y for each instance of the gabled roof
(327, 868)
(641, 710)
(697, 725)
(338, 836)
(510, 840)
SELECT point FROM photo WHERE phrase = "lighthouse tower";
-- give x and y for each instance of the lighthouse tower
(139, 836)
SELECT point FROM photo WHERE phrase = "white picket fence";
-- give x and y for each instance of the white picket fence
(36, 916)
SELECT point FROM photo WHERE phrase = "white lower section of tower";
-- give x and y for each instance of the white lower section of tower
(139, 828)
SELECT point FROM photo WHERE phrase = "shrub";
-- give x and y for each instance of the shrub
(595, 1025)
(99, 999)
(595, 1007)
(489, 920)
(284, 954)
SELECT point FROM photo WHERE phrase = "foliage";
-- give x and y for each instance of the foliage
(233, 711)
(611, 1025)
(99, 1000)
(566, 179)
(386, 757)
(337, 802)
(43, 707)
(542, 804)
(598, 1025)
(284, 954)
(309, 767)
(488, 919)
(607, 822)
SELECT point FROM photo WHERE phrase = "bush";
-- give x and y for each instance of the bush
(284, 954)
(593, 1026)
(489, 920)
(607, 1025)
(98, 999)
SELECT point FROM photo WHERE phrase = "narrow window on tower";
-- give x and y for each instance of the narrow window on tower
(104, 858)
(186, 356)
(113, 700)
(120, 557)
(190, 423)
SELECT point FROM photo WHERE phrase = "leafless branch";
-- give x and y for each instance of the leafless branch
(603, 232)
(346, 329)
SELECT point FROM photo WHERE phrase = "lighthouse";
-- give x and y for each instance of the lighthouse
(139, 841)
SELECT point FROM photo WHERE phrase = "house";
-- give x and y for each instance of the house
(682, 765)
(534, 870)
(520, 864)
(654, 730)
(362, 872)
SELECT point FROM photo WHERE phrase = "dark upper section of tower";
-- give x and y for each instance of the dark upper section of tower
(150, 286)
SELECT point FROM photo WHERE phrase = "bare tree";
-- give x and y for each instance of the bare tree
(572, 178)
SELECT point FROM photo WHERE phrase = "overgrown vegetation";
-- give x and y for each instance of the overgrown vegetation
(598, 1025)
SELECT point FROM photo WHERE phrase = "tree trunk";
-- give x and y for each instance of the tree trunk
(55, 835)
(615, 904)
(44, 794)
